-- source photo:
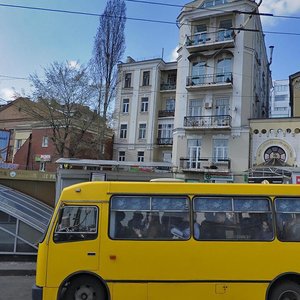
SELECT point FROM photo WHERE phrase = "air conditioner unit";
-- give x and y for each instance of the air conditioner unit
(208, 105)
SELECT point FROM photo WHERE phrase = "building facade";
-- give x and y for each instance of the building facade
(280, 100)
(201, 124)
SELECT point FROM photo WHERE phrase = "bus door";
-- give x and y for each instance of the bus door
(74, 244)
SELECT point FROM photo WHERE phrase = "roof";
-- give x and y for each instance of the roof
(25, 208)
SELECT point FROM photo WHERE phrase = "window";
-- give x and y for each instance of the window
(144, 104)
(232, 218)
(288, 218)
(194, 152)
(140, 157)
(149, 217)
(18, 144)
(210, 3)
(171, 80)
(127, 83)
(76, 223)
(165, 130)
(142, 131)
(220, 149)
(198, 72)
(195, 109)
(275, 156)
(123, 131)
(121, 155)
(200, 34)
(281, 98)
(125, 106)
(224, 70)
(170, 104)
(42, 166)
(146, 78)
(45, 142)
(225, 31)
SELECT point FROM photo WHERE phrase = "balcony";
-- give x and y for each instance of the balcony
(165, 141)
(167, 87)
(166, 113)
(205, 165)
(208, 122)
(208, 41)
(218, 80)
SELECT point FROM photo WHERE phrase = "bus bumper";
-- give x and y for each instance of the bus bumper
(37, 293)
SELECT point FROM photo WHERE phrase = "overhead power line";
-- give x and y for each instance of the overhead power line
(131, 18)
(13, 77)
(215, 9)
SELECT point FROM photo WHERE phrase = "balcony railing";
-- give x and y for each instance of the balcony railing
(164, 141)
(215, 121)
(209, 79)
(167, 86)
(166, 113)
(205, 39)
(205, 164)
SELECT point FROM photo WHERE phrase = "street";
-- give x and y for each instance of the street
(16, 287)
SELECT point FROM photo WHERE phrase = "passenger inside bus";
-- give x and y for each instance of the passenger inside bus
(121, 231)
(293, 229)
(154, 227)
(136, 225)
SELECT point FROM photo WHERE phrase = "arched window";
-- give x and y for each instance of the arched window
(224, 70)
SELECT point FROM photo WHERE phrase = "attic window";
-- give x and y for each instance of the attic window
(211, 3)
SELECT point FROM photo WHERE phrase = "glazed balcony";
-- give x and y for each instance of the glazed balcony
(208, 122)
(218, 80)
(208, 41)
(205, 165)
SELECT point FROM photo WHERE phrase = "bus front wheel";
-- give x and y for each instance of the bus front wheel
(84, 288)
(288, 290)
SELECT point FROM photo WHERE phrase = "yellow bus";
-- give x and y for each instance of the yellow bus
(179, 241)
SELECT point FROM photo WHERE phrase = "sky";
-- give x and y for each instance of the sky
(31, 40)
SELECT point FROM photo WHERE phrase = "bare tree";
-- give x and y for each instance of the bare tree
(63, 100)
(109, 47)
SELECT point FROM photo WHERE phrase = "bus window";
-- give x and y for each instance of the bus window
(288, 218)
(149, 218)
(232, 218)
(76, 223)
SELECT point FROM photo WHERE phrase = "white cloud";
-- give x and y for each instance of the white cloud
(74, 64)
(278, 7)
(174, 54)
(7, 94)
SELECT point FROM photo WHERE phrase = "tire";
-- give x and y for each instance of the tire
(84, 288)
(288, 290)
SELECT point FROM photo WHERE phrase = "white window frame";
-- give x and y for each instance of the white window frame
(142, 131)
(140, 156)
(144, 104)
(220, 149)
(121, 156)
(45, 142)
(125, 105)
(123, 131)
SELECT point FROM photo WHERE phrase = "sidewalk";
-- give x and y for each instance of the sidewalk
(17, 268)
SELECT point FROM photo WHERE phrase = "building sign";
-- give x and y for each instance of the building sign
(42, 157)
(8, 166)
(4, 143)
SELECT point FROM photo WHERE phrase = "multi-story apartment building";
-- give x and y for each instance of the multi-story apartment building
(280, 100)
(145, 110)
(222, 81)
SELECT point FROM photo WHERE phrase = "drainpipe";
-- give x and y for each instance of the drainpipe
(29, 151)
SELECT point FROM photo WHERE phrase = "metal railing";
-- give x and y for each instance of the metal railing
(167, 86)
(218, 78)
(215, 121)
(166, 113)
(205, 38)
(165, 141)
(206, 164)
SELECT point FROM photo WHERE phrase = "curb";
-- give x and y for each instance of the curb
(17, 272)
